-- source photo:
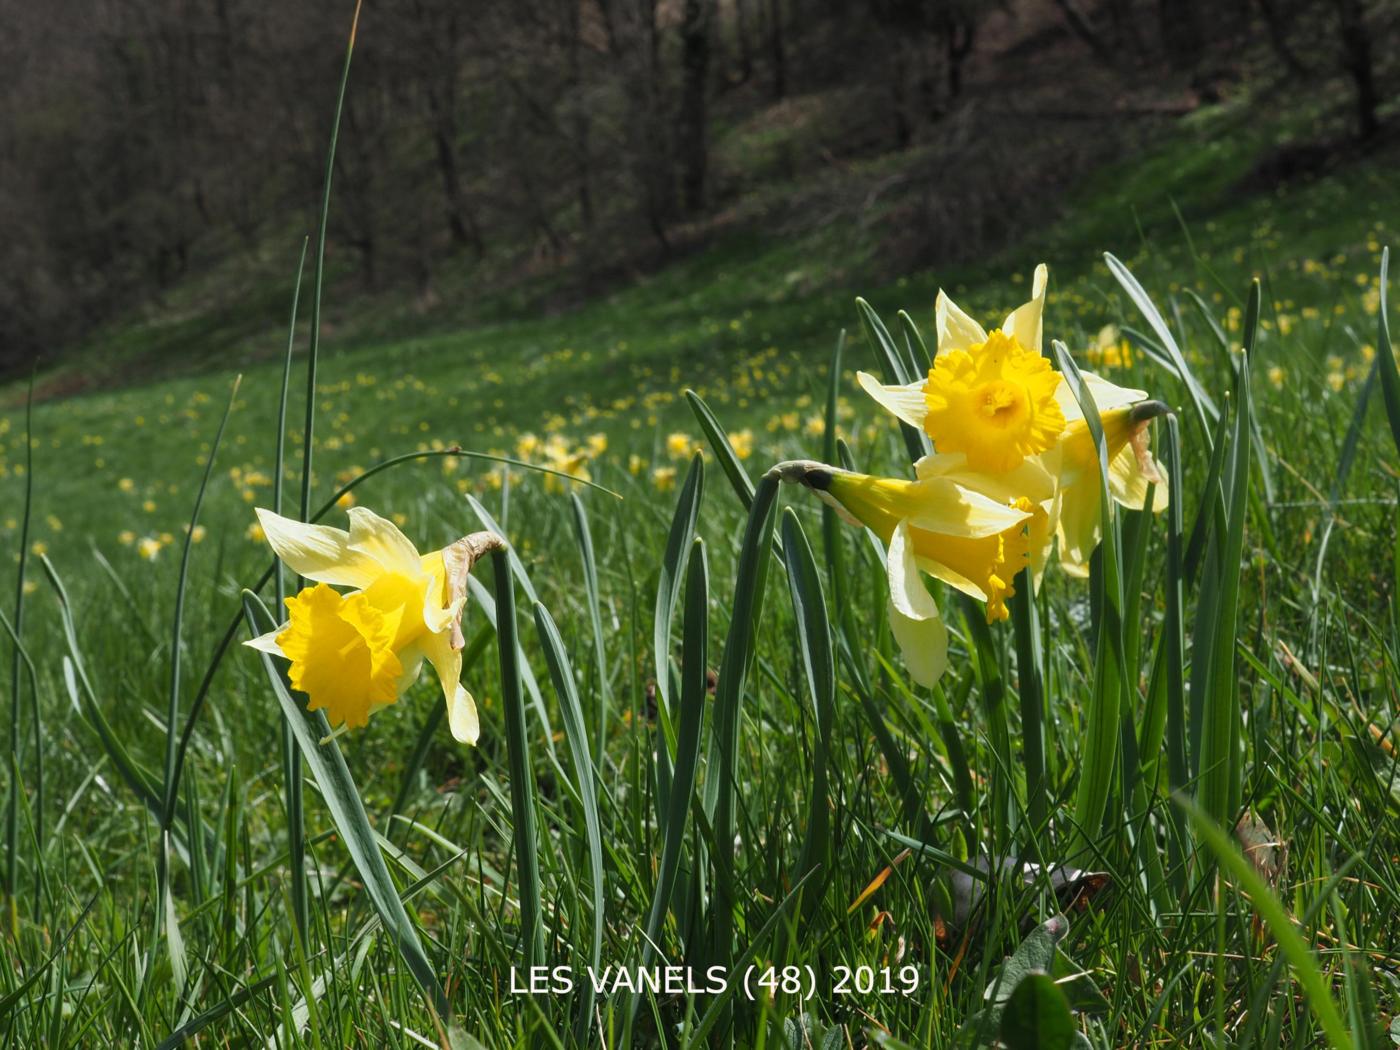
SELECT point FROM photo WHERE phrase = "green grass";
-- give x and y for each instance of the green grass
(764, 811)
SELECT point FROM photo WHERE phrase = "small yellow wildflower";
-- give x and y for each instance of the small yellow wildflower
(664, 478)
(1276, 376)
(679, 445)
(346, 501)
(148, 548)
(742, 443)
(126, 485)
(126, 537)
(254, 532)
(635, 463)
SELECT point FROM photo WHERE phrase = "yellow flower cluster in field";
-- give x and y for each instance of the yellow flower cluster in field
(1013, 472)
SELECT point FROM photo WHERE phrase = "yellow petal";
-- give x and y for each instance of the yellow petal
(1024, 322)
(341, 651)
(907, 592)
(1077, 527)
(914, 619)
(1107, 396)
(1030, 479)
(956, 330)
(904, 402)
(1128, 481)
(923, 644)
(380, 539)
(932, 504)
(317, 552)
(462, 718)
(267, 643)
(461, 709)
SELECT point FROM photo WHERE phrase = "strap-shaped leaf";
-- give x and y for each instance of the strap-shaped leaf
(347, 812)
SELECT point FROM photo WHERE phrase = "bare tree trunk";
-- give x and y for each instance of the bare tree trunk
(777, 49)
(1084, 29)
(1180, 27)
(1277, 30)
(691, 122)
(461, 224)
(741, 38)
(1357, 47)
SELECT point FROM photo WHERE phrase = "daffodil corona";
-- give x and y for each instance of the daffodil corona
(354, 653)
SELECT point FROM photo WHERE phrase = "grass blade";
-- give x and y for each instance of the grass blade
(668, 583)
(12, 800)
(522, 776)
(1271, 910)
(348, 813)
(814, 641)
(724, 452)
(562, 674)
(1099, 755)
(1385, 356)
(694, 646)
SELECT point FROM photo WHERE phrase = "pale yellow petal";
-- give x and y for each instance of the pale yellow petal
(956, 330)
(462, 718)
(1128, 483)
(923, 644)
(267, 643)
(1025, 322)
(1030, 479)
(907, 592)
(914, 619)
(955, 580)
(380, 539)
(1078, 527)
(317, 552)
(904, 402)
(935, 504)
(1106, 395)
(461, 709)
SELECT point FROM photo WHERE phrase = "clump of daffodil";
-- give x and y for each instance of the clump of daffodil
(355, 652)
(972, 540)
(994, 399)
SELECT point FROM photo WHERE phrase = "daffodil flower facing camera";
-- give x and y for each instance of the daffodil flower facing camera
(356, 652)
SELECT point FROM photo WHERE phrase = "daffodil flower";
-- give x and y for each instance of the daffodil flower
(1124, 416)
(990, 396)
(937, 525)
(353, 653)
(994, 400)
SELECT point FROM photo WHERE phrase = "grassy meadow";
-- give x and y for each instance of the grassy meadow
(1194, 749)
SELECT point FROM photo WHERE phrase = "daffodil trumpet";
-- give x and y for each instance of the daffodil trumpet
(355, 652)
(973, 541)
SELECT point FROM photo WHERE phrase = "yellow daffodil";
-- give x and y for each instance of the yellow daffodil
(990, 396)
(971, 541)
(1074, 464)
(354, 653)
(994, 401)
